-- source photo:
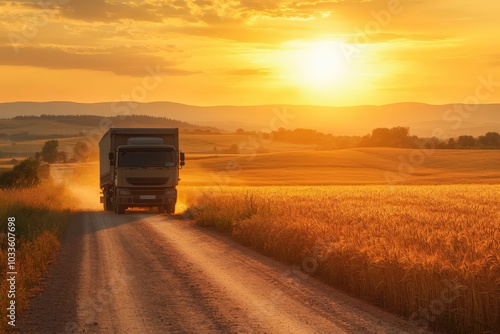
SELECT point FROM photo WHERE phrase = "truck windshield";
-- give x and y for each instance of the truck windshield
(135, 158)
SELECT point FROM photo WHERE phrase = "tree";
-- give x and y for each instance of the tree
(466, 141)
(50, 151)
(233, 149)
(23, 175)
(380, 137)
(399, 136)
(490, 140)
(384, 137)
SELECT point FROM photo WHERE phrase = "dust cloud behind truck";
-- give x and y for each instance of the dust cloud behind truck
(139, 167)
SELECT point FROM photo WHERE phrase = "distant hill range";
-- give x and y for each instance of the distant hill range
(29, 128)
(423, 119)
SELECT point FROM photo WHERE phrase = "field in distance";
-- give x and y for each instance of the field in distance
(23, 137)
(363, 166)
(345, 167)
(260, 162)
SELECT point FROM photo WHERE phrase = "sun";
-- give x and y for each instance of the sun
(315, 71)
(321, 64)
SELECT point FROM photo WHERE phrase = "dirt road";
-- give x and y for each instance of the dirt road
(151, 273)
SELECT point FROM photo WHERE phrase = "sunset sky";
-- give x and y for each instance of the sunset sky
(249, 52)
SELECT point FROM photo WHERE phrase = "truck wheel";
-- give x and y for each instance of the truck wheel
(120, 209)
(170, 208)
(108, 204)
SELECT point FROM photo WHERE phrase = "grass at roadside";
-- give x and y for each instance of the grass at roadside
(429, 253)
(41, 215)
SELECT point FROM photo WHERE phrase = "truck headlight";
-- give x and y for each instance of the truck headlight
(170, 192)
(124, 192)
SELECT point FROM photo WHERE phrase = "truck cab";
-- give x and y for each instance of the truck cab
(143, 169)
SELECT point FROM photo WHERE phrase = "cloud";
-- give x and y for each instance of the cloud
(121, 61)
(254, 21)
(100, 10)
(113, 11)
(199, 11)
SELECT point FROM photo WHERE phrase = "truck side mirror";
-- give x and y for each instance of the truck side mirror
(183, 158)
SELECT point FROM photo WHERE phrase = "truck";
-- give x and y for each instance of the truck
(139, 167)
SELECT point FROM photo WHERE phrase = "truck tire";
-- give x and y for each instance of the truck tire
(120, 209)
(108, 203)
(170, 208)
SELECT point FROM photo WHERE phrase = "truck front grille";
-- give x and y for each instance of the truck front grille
(147, 181)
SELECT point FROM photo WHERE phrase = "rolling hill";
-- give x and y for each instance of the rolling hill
(23, 136)
(361, 166)
(423, 119)
(383, 166)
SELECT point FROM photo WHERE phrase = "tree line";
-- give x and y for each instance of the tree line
(398, 137)
(118, 121)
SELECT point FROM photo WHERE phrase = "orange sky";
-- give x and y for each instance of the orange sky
(246, 52)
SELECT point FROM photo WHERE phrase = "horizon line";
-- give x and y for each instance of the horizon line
(249, 105)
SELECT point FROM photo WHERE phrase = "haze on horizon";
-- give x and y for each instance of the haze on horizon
(249, 52)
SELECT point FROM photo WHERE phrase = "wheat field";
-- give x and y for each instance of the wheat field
(41, 215)
(429, 253)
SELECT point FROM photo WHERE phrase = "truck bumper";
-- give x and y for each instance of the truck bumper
(146, 197)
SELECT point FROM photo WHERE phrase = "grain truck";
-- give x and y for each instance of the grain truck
(139, 167)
